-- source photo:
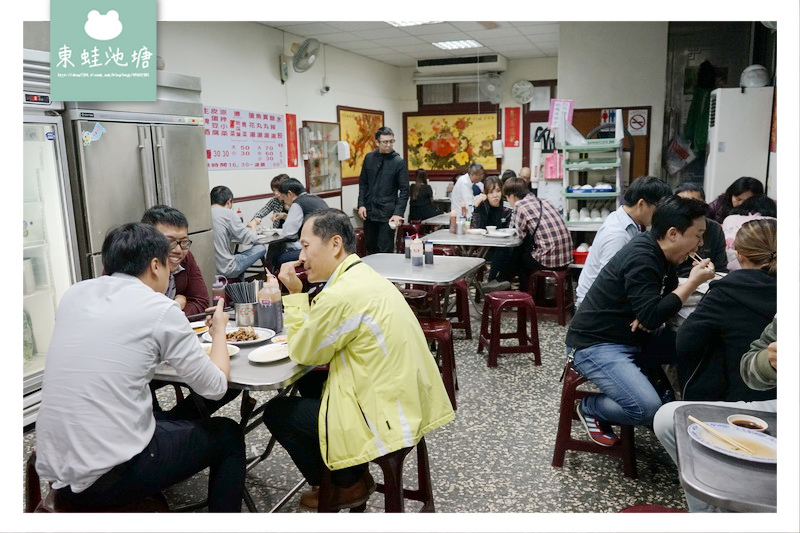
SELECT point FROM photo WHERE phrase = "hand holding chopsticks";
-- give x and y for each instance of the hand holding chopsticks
(736, 444)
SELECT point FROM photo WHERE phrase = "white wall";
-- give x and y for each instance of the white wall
(238, 64)
(616, 64)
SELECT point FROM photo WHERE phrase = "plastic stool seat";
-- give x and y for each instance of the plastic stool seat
(461, 312)
(565, 300)
(570, 394)
(493, 307)
(441, 331)
(395, 494)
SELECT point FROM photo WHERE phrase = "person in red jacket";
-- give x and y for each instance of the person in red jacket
(186, 284)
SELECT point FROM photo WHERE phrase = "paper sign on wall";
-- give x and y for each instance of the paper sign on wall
(237, 139)
(637, 121)
(511, 127)
(560, 109)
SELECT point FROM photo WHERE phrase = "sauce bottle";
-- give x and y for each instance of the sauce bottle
(218, 288)
(428, 252)
(416, 252)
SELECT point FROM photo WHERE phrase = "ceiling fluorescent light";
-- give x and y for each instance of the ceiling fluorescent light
(456, 45)
(403, 24)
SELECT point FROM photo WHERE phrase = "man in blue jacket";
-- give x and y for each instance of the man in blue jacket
(382, 193)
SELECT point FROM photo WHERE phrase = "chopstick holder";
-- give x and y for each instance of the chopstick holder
(722, 436)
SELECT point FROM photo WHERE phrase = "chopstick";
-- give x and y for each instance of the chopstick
(696, 257)
(198, 316)
(722, 436)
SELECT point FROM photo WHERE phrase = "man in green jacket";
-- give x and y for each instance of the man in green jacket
(383, 390)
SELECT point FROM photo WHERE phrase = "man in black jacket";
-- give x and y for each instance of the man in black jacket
(618, 327)
(713, 245)
(382, 193)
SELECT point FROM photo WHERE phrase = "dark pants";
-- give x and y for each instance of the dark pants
(195, 407)
(499, 259)
(522, 264)
(378, 237)
(178, 450)
(293, 421)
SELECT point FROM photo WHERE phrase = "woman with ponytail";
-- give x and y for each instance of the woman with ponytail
(734, 311)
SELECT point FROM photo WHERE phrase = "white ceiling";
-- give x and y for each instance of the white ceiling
(403, 46)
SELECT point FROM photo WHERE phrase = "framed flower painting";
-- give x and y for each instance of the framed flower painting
(449, 142)
(357, 127)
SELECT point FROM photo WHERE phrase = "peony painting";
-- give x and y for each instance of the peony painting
(447, 142)
(357, 127)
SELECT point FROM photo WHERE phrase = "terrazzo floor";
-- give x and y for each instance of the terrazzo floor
(495, 456)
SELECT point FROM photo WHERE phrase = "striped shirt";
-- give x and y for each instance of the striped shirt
(553, 243)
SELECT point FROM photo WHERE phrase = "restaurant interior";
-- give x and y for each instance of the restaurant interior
(319, 89)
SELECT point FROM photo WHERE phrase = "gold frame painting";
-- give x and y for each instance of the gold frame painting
(357, 127)
(450, 142)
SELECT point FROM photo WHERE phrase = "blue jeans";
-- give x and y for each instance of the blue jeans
(246, 259)
(628, 397)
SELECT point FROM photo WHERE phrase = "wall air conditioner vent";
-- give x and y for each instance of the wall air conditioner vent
(712, 111)
(455, 65)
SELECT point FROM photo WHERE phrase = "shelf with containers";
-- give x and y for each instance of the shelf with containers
(320, 154)
(592, 182)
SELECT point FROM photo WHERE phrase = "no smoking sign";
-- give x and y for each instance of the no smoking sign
(637, 121)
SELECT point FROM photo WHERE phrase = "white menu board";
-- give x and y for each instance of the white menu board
(237, 139)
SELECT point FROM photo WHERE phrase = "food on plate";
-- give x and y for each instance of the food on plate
(280, 339)
(242, 334)
(200, 329)
(232, 350)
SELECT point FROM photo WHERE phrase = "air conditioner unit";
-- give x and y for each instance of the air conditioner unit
(458, 65)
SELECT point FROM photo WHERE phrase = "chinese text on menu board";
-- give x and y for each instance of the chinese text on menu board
(237, 139)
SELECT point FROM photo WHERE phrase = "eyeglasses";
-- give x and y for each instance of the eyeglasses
(184, 244)
(386, 143)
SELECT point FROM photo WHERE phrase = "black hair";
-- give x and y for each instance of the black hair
(744, 184)
(276, 181)
(330, 222)
(676, 212)
(166, 215)
(760, 203)
(129, 248)
(515, 186)
(420, 178)
(690, 186)
(507, 174)
(491, 182)
(647, 188)
(293, 185)
(220, 195)
(383, 130)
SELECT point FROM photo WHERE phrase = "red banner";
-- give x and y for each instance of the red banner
(291, 140)
(511, 127)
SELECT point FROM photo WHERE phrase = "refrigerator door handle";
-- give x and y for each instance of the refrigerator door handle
(163, 168)
(151, 198)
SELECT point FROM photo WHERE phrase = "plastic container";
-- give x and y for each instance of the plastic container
(416, 252)
(218, 288)
(408, 246)
(428, 253)
(269, 308)
(579, 258)
(453, 223)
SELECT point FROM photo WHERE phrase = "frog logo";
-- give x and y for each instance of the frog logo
(103, 27)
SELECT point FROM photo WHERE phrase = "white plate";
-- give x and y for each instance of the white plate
(264, 334)
(745, 436)
(280, 339)
(499, 235)
(269, 353)
(232, 350)
(510, 231)
(199, 324)
(476, 231)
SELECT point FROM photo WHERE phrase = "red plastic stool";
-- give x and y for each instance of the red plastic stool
(416, 299)
(564, 293)
(650, 508)
(392, 487)
(441, 331)
(570, 394)
(493, 307)
(461, 312)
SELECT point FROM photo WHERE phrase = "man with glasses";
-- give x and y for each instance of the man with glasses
(382, 193)
(186, 284)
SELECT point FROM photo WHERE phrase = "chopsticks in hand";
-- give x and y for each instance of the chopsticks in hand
(696, 257)
(736, 444)
(198, 316)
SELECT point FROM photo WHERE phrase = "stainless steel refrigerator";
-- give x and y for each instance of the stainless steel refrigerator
(125, 157)
(49, 251)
